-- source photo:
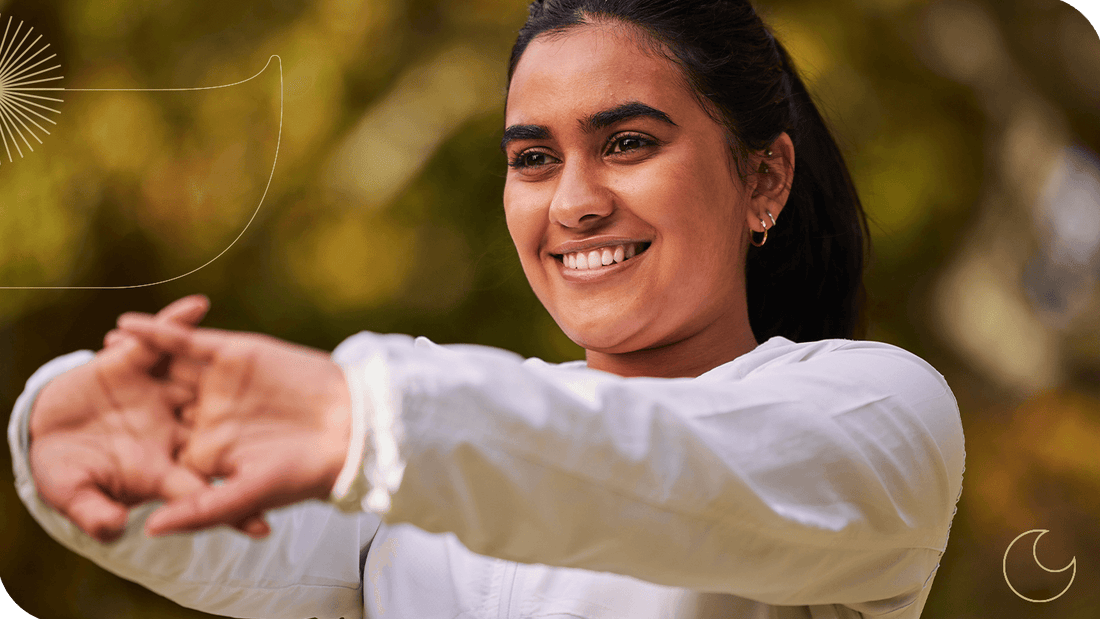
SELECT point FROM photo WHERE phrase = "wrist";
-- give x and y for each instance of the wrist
(338, 430)
(60, 402)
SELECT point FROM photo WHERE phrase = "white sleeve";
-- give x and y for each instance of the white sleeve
(827, 475)
(308, 567)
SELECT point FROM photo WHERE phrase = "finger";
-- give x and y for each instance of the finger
(114, 336)
(177, 395)
(255, 527)
(197, 344)
(180, 483)
(186, 415)
(132, 351)
(185, 372)
(236, 501)
(189, 310)
(205, 451)
(96, 514)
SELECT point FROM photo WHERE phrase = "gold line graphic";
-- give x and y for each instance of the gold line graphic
(1004, 566)
(16, 85)
(15, 106)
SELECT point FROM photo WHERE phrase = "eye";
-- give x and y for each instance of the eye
(629, 142)
(530, 159)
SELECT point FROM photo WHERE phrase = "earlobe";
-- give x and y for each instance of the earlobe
(764, 228)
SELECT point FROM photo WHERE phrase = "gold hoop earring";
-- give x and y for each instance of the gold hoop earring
(752, 239)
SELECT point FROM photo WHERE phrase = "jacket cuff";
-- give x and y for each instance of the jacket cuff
(373, 468)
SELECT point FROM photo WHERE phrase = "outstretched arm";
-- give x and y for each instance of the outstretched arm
(799, 474)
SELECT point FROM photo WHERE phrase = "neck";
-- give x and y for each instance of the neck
(687, 358)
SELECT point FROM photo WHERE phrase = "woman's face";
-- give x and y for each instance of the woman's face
(621, 197)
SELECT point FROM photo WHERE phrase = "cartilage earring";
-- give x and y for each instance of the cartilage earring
(752, 239)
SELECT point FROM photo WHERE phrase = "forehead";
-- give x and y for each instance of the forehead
(592, 67)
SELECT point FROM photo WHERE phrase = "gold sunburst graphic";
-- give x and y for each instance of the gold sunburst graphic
(23, 80)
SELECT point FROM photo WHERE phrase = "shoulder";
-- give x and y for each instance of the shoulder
(870, 384)
(874, 366)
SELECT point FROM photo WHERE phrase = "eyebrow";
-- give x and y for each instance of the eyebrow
(619, 113)
(523, 132)
(589, 124)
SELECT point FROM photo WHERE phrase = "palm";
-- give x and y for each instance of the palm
(104, 434)
(269, 417)
(260, 408)
(115, 436)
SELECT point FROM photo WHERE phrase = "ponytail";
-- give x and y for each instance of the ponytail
(806, 282)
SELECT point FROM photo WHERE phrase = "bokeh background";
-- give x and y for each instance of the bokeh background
(971, 127)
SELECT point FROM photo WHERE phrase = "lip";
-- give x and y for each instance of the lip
(592, 275)
(595, 242)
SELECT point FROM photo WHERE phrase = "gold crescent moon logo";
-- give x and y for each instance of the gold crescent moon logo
(1004, 566)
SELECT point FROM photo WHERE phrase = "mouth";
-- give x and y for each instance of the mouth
(601, 257)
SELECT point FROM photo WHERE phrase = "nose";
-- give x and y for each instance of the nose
(580, 198)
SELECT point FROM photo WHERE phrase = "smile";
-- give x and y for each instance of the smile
(601, 257)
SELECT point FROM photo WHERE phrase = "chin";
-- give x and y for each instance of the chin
(600, 338)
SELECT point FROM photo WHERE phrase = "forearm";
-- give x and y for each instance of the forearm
(742, 487)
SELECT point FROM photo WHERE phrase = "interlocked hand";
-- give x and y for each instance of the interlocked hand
(103, 435)
(269, 418)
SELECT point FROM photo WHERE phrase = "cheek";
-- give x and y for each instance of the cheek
(527, 227)
(519, 217)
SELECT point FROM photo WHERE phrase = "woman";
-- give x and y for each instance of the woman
(675, 199)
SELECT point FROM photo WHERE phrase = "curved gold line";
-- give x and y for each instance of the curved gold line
(278, 144)
(273, 56)
(1034, 550)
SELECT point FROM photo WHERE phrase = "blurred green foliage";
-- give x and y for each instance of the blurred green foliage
(385, 214)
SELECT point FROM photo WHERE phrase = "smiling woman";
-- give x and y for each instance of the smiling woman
(605, 158)
(721, 452)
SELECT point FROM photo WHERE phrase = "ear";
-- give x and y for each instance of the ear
(772, 176)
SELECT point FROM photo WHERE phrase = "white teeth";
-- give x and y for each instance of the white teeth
(594, 259)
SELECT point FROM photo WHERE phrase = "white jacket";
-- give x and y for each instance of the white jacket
(799, 480)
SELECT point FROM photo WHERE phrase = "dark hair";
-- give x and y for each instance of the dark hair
(806, 282)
